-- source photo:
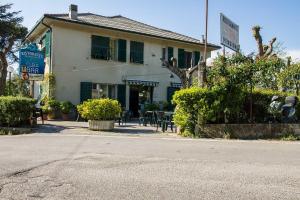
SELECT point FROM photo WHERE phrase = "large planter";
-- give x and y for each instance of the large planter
(65, 117)
(101, 125)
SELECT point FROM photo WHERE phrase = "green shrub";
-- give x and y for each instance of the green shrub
(100, 109)
(15, 111)
(151, 107)
(261, 101)
(198, 106)
(195, 106)
(66, 107)
(53, 105)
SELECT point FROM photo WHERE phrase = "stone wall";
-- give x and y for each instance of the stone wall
(249, 131)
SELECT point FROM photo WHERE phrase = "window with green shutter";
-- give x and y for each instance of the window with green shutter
(122, 50)
(196, 57)
(181, 58)
(137, 52)
(100, 47)
(122, 95)
(47, 44)
(170, 54)
(85, 91)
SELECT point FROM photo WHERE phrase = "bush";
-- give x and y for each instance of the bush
(100, 109)
(261, 101)
(66, 107)
(195, 106)
(198, 106)
(152, 107)
(15, 111)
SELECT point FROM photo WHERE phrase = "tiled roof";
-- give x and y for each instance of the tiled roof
(125, 24)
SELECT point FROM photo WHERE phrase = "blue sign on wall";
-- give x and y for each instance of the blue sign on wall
(32, 63)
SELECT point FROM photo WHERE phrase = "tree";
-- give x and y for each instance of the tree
(11, 35)
(185, 75)
(264, 51)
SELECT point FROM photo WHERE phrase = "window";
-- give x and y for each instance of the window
(137, 52)
(196, 58)
(170, 55)
(104, 91)
(105, 48)
(100, 47)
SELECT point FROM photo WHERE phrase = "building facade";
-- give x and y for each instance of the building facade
(93, 56)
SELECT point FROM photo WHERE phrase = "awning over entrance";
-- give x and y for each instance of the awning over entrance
(176, 85)
(144, 83)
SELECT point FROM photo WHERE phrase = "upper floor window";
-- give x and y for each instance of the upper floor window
(105, 48)
(168, 54)
(188, 59)
(137, 52)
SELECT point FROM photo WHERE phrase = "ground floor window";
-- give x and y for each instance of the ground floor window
(101, 90)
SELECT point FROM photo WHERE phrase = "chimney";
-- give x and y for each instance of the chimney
(73, 11)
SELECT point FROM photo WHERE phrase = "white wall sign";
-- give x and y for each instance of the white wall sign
(229, 33)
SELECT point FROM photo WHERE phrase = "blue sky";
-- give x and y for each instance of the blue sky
(278, 18)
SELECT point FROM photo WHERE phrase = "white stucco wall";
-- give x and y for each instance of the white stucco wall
(72, 63)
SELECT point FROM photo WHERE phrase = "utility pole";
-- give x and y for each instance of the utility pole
(202, 67)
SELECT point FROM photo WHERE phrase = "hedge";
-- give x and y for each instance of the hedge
(198, 106)
(15, 111)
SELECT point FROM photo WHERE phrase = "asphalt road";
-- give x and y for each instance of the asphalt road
(66, 166)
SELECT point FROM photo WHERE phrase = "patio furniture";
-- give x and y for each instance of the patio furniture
(124, 118)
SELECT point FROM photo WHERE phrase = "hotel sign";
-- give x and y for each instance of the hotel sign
(229, 33)
(31, 63)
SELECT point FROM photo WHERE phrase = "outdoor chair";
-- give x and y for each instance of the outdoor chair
(169, 122)
(124, 118)
(160, 120)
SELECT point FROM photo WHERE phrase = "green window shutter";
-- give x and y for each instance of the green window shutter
(170, 53)
(122, 50)
(170, 93)
(137, 52)
(196, 57)
(85, 91)
(181, 58)
(122, 95)
(48, 44)
(100, 47)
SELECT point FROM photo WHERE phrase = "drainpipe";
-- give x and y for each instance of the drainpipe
(50, 28)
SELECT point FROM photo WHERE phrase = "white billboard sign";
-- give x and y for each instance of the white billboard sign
(229, 33)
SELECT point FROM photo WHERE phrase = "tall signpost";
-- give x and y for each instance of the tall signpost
(229, 34)
(31, 65)
(202, 69)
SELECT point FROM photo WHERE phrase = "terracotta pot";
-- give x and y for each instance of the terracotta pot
(45, 116)
(65, 117)
(101, 125)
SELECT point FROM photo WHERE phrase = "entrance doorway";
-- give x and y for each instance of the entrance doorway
(139, 96)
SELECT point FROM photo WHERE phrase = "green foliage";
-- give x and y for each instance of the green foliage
(48, 87)
(195, 106)
(66, 107)
(53, 105)
(100, 109)
(198, 106)
(261, 101)
(15, 111)
(290, 137)
(17, 87)
(151, 107)
(289, 79)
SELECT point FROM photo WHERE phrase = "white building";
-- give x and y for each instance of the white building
(93, 56)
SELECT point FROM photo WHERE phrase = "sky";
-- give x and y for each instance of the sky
(278, 18)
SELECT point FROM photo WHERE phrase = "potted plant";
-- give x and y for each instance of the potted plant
(45, 112)
(53, 109)
(65, 108)
(100, 113)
